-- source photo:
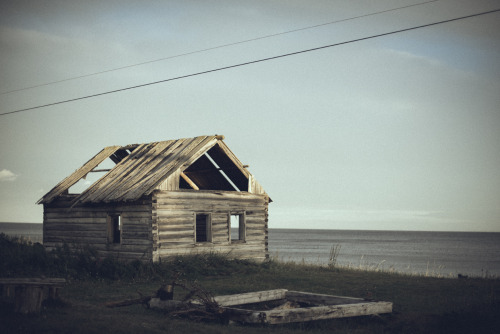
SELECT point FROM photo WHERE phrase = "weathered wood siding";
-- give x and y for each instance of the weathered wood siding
(87, 225)
(174, 223)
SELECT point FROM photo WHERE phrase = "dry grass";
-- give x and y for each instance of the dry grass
(421, 304)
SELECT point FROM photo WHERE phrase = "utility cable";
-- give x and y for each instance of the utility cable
(253, 62)
(214, 48)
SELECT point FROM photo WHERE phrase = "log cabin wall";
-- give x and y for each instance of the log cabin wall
(121, 231)
(174, 223)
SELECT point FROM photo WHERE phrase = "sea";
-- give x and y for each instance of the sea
(438, 254)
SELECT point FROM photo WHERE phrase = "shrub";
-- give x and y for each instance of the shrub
(22, 258)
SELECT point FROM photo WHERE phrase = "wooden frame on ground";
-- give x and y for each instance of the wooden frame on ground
(294, 306)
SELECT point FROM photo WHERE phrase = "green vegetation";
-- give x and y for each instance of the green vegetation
(421, 304)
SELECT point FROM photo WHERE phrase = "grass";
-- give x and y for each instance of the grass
(421, 304)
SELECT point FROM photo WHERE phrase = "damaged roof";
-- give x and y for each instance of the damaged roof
(200, 163)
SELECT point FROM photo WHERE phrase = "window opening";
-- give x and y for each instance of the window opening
(237, 225)
(203, 228)
(114, 229)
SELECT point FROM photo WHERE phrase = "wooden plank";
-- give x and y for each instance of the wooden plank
(130, 250)
(320, 299)
(214, 194)
(75, 220)
(223, 208)
(70, 226)
(257, 203)
(250, 297)
(128, 226)
(165, 240)
(161, 167)
(33, 281)
(74, 240)
(75, 234)
(309, 313)
(247, 251)
(171, 182)
(189, 181)
(175, 219)
(136, 170)
(175, 228)
(137, 242)
(186, 203)
(98, 209)
(176, 234)
(78, 174)
(328, 312)
(132, 168)
(168, 162)
(121, 170)
(134, 235)
(136, 225)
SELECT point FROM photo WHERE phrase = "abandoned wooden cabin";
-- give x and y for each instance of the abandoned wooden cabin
(161, 199)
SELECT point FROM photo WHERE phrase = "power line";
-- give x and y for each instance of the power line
(215, 47)
(253, 62)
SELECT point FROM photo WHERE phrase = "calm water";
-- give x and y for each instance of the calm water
(33, 232)
(432, 253)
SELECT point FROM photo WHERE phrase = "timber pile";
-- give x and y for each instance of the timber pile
(262, 307)
(198, 304)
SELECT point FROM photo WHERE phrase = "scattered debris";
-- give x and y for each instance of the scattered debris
(295, 306)
(262, 307)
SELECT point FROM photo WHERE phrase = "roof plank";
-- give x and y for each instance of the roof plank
(112, 176)
(190, 149)
(143, 170)
(65, 184)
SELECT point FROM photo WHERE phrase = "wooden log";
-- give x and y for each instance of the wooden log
(329, 307)
(207, 194)
(251, 297)
(194, 148)
(33, 281)
(320, 299)
(189, 181)
(327, 312)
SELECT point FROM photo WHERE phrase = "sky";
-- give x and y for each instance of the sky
(399, 132)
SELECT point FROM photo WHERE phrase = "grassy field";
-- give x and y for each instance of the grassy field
(421, 304)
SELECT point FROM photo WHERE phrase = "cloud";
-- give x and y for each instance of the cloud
(7, 175)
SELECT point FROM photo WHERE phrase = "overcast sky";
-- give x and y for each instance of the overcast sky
(400, 132)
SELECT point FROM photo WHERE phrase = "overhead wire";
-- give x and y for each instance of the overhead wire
(216, 47)
(254, 61)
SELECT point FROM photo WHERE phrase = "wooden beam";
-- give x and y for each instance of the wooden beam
(251, 297)
(189, 181)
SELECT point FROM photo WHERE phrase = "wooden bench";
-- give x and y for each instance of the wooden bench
(29, 293)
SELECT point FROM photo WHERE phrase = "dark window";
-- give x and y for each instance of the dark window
(237, 224)
(203, 228)
(114, 229)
